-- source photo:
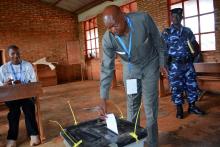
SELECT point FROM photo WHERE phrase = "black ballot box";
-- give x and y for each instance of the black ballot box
(94, 133)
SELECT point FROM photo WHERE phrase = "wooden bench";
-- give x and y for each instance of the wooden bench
(22, 91)
(208, 76)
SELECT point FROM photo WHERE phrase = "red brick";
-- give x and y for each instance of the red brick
(39, 29)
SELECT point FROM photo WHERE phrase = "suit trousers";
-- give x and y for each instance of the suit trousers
(147, 88)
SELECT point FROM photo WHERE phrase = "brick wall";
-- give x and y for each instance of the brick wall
(81, 36)
(158, 9)
(38, 29)
(101, 31)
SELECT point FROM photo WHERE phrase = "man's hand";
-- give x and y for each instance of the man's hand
(8, 82)
(163, 72)
(103, 109)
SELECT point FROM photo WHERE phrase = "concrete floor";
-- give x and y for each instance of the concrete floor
(193, 131)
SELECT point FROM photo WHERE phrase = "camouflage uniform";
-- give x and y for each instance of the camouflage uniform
(182, 76)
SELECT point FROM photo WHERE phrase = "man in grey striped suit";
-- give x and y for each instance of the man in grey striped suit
(136, 39)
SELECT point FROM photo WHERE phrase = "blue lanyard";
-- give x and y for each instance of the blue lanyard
(14, 73)
(127, 50)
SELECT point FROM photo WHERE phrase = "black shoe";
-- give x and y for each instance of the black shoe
(193, 109)
(179, 112)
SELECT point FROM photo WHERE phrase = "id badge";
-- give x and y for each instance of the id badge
(131, 86)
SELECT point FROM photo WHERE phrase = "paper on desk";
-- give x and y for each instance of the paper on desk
(43, 61)
(111, 123)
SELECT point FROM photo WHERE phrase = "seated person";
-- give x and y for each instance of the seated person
(14, 72)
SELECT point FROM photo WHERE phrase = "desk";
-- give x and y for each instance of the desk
(45, 75)
(207, 67)
(208, 76)
(22, 91)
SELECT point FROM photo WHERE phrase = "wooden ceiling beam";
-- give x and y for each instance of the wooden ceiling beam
(56, 2)
(90, 5)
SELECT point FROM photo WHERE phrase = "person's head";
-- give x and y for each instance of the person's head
(14, 54)
(114, 20)
(177, 16)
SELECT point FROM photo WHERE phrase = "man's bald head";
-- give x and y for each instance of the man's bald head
(112, 10)
(114, 19)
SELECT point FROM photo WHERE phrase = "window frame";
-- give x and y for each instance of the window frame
(197, 16)
(129, 5)
(94, 26)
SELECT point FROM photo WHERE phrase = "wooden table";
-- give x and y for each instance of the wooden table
(23, 91)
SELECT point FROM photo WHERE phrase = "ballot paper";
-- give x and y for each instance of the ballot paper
(111, 123)
(131, 86)
(43, 61)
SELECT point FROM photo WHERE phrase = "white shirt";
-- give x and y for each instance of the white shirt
(11, 71)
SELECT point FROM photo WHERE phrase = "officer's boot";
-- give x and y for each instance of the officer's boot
(193, 109)
(179, 111)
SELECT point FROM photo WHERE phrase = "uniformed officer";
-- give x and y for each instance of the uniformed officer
(181, 45)
(136, 39)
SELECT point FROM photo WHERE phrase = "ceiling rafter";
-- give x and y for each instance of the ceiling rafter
(90, 5)
(56, 2)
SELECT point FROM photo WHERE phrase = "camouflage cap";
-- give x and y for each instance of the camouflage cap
(177, 11)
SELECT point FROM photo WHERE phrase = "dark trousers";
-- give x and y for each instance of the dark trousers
(28, 108)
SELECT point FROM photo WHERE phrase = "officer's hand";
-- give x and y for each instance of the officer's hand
(163, 72)
(8, 82)
(17, 82)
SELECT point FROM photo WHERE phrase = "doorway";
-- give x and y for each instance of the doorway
(2, 57)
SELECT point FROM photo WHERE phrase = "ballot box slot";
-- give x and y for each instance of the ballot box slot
(87, 135)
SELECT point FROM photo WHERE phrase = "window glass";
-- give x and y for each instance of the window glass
(208, 41)
(192, 23)
(190, 8)
(87, 35)
(88, 45)
(206, 6)
(93, 43)
(92, 33)
(207, 23)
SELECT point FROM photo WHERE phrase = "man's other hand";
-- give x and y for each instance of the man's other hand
(8, 82)
(163, 72)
